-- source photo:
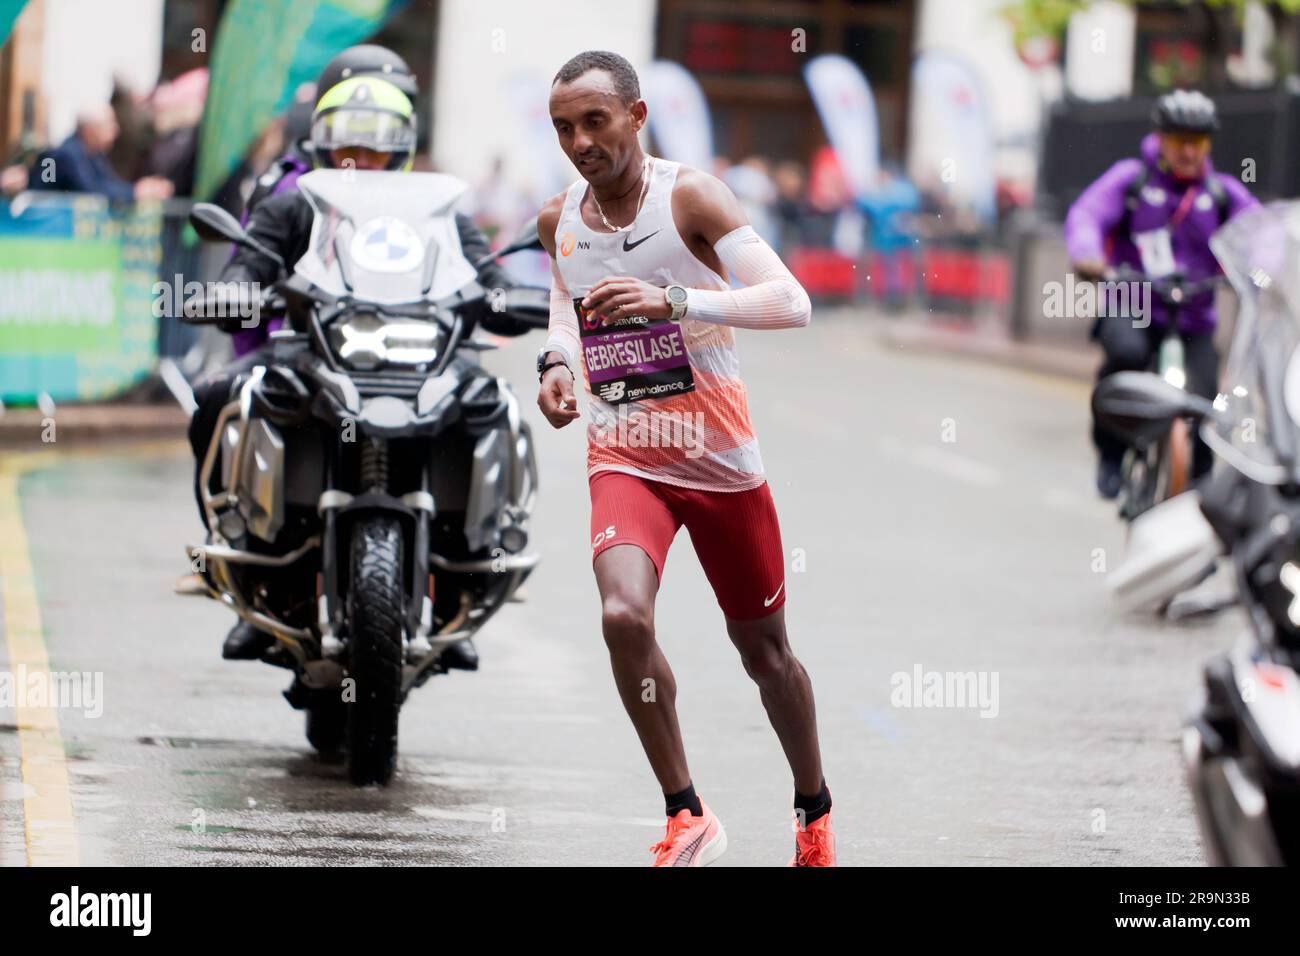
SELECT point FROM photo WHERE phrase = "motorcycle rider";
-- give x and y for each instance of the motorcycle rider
(364, 122)
(282, 176)
(1156, 214)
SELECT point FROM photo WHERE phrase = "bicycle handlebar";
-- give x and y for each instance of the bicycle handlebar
(1172, 289)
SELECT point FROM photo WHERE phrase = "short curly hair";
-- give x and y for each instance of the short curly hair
(620, 70)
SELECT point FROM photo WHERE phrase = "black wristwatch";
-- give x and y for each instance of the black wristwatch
(544, 366)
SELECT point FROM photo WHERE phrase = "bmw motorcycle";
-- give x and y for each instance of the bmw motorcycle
(368, 489)
(1241, 743)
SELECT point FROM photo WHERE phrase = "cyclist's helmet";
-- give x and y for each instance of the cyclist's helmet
(367, 60)
(1186, 111)
(364, 112)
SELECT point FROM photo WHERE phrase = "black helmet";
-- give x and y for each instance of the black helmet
(367, 60)
(364, 111)
(1185, 111)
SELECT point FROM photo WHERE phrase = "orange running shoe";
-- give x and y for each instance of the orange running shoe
(814, 845)
(691, 840)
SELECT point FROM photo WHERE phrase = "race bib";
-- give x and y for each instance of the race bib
(633, 359)
(1156, 251)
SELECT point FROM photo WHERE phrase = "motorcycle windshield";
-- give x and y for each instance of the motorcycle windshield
(1259, 398)
(384, 237)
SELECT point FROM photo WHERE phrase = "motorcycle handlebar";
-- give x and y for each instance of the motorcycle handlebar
(222, 302)
(528, 304)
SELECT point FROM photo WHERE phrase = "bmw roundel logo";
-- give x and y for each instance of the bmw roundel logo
(387, 244)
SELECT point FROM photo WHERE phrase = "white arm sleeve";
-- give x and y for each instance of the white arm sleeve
(562, 332)
(771, 299)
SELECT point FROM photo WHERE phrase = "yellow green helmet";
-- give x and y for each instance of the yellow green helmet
(364, 112)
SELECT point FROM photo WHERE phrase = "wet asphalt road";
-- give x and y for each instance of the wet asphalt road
(907, 551)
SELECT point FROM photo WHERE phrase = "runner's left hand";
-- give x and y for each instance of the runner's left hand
(617, 296)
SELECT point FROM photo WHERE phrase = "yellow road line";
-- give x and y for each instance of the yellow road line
(49, 821)
(50, 825)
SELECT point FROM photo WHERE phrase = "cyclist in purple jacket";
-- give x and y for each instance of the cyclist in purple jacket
(1156, 215)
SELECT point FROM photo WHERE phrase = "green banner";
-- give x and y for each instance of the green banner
(9, 11)
(338, 24)
(254, 50)
(76, 298)
(264, 50)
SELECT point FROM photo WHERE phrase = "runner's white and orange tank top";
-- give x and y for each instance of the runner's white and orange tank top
(666, 401)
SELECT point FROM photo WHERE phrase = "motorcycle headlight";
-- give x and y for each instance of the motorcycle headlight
(365, 341)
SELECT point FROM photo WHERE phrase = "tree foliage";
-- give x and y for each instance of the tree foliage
(1040, 18)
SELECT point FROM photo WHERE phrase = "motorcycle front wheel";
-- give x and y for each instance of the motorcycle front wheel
(375, 614)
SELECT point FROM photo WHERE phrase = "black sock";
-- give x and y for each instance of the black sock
(816, 807)
(675, 803)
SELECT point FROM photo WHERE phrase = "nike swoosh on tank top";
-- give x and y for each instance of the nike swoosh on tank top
(666, 400)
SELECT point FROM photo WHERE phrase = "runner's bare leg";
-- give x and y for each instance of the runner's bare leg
(628, 584)
(786, 692)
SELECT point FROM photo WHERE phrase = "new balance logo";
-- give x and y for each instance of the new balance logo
(612, 392)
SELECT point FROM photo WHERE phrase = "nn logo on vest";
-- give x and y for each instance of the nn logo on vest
(568, 242)
(1086, 299)
(75, 909)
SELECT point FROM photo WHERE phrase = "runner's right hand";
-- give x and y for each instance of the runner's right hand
(555, 397)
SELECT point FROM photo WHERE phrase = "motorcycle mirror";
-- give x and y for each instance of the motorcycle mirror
(1140, 406)
(214, 224)
(526, 238)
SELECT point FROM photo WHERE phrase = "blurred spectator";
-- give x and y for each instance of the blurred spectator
(828, 190)
(80, 163)
(135, 132)
(791, 208)
(832, 202)
(13, 180)
(752, 184)
(891, 210)
(177, 109)
(891, 207)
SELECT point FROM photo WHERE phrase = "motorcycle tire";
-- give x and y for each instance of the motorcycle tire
(375, 616)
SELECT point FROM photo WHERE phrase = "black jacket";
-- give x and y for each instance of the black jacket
(282, 223)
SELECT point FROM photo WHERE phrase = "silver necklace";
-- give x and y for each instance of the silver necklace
(645, 185)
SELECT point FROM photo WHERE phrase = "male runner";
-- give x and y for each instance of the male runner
(640, 246)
